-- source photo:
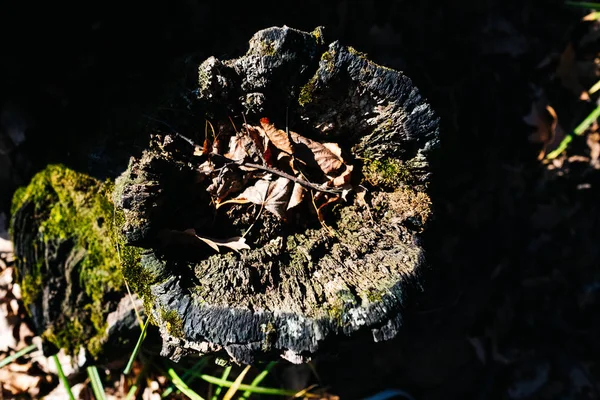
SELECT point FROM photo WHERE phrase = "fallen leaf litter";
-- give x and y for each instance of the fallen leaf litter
(275, 169)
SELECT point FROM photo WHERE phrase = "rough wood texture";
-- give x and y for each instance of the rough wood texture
(301, 283)
(62, 226)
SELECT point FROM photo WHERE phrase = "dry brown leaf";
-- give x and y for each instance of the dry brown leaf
(273, 149)
(334, 148)
(6, 246)
(236, 243)
(272, 195)
(232, 201)
(297, 196)
(548, 132)
(226, 182)
(237, 148)
(568, 75)
(326, 159)
(279, 138)
(329, 163)
(593, 16)
(593, 142)
(344, 178)
(19, 382)
(206, 147)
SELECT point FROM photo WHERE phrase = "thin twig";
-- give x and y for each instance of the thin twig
(292, 178)
(274, 171)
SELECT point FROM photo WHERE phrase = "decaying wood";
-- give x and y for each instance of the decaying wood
(330, 265)
(68, 266)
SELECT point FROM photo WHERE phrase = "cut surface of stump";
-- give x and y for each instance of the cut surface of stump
(289, 214)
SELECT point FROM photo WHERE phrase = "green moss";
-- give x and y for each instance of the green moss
(299, 248)
(173, 323)
(387, 173)
(71, 332)
(137, 277)
(203, 79)
(328, 59)
(337, 308)
(373, 296)
(71, 205)
(336, 311)
(409, 202)
(388, 125)
(270, 333)
(317, 33)
(352, 50)
(306, 92)
(267, 48)
(31, 288)
(370, 63)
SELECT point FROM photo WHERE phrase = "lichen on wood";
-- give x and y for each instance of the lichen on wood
(306, 278)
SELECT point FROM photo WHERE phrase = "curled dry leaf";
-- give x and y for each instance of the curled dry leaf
(548, 132)
(343, 179)
(567, 72)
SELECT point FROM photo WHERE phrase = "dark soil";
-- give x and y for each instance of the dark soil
(509, 307)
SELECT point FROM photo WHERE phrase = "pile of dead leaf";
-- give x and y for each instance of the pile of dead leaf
(275, 169)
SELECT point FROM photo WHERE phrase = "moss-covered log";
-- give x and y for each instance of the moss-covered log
(63, 228)
(311, 277)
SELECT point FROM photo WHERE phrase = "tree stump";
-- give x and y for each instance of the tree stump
(62, 225)
(337, 262)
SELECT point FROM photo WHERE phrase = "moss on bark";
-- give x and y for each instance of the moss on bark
(73, 238)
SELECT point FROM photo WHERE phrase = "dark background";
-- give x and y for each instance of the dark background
(509, 306)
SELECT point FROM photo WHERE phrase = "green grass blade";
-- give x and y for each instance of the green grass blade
(7, 360)
(63, 378)
(134, 388)
(596, 86)
(561, 147)
(137, 348)
(189, 375)
(588, 121)
(236, 384)
(256, 389)
(259, 378)
(579, 130)
(223, 377)
(96, 383)
(182, 387)
(132, 391)
(583, 4)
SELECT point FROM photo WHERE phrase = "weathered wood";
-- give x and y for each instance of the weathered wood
(62, 225)
(301, 283)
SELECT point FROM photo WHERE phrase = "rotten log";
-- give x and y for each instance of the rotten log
(307, 278)
(68, 266)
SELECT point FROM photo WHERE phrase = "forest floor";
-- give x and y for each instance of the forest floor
(510, 304)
